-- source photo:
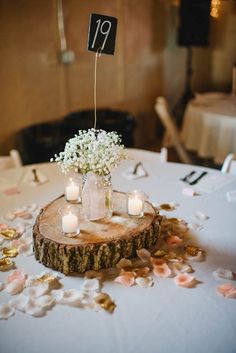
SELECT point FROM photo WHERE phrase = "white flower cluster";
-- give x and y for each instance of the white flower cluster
(92, 150)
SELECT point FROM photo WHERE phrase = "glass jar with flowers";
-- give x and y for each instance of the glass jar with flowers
(93, 151)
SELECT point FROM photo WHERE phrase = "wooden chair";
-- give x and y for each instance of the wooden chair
(11, 161)
(162, 110)
(229, 164)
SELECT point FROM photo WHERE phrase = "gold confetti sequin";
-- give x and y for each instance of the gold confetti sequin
(6, 263)
(175, 220)
(8, 233)
(105, 302)
(160, 253)
(193, 250)
(53, 281)
(173, 257)
(167, 207)
(10, 252)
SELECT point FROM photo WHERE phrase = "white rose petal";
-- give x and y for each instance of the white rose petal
(6, 311)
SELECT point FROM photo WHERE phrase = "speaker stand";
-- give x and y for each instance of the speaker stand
(180, 107)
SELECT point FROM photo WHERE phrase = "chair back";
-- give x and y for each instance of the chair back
(229, 164)
(162, 110)
(11, 161)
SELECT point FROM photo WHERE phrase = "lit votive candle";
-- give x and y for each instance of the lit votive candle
(70, 223)
(135, 203)
(72, 190)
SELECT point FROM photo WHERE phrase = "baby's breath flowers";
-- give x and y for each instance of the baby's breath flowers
(92, 150)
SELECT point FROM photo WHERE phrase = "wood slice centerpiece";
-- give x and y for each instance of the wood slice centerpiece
(100, 244)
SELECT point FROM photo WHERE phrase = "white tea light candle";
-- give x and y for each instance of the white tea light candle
(70, 223)
(72, 192)
(135, 203)
(72, 188)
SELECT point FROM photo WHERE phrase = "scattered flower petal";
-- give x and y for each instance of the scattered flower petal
(17, 274)
(16, 286)
(20, 228)
(231, 293)
(90, 285)
(162, 271)
(70, 297)
(223, 273)
(144, 282)
(201, 216)
(38, 290)
(6, 311)
(46, 301)
(19, 302)
(127, 279)
(225, 288)
(174, 240)
(185, 280)
(32, 308)
(144, 255)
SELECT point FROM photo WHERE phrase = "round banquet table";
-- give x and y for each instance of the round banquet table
(209, 126)
(163, 318)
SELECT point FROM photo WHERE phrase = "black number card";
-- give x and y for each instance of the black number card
(102, 33)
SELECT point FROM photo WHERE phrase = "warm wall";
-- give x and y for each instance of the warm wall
(36, 87)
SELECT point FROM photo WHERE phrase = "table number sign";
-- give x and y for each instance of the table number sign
(102, 34)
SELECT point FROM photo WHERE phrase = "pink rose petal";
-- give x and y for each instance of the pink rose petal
(174, 240)
(162, 271)
(231, 293)
(224, 288)
(17, 274)
(185, 280)
(127, 279)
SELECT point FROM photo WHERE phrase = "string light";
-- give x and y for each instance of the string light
(215, 7)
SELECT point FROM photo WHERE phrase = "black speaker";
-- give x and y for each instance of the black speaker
(194, 22)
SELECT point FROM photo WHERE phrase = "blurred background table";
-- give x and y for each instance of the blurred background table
(209, 126)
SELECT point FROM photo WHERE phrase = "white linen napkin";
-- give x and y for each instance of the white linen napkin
(132, 174)
(34, 177)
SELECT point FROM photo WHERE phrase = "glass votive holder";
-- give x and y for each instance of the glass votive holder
(73, 188)
(135, 203)
(70, 219)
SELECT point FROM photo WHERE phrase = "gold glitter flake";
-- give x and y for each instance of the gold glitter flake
(193, 250)
(105, 302)
(53, 281)
(6, 263)
(167, 207)
(10, 252)
(160, 253)
(8, 233)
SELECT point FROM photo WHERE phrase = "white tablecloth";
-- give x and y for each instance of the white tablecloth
(209, 126)
(164, 318)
